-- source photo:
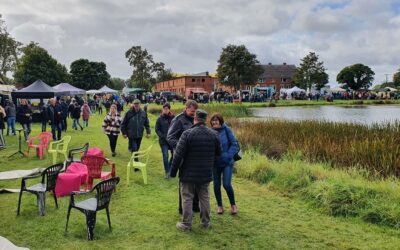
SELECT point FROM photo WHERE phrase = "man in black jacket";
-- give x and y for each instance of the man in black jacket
(133, 125)
(179, 124)
(54, 114)
(195, 157)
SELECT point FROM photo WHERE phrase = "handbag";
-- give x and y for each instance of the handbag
(238, 155)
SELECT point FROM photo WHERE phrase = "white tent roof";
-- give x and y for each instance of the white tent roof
(296, 89)
(390, 89)
(336, 89)
(106, 89)
(92, 91)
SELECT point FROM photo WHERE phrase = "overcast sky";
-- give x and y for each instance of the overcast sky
(188, 36)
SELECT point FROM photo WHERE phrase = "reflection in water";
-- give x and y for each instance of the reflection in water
(351, 114)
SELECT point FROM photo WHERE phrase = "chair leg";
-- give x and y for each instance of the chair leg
(19, 201)
(90, 223)
(55, 197)
(108, 217)
(69, 212)
(54, 157)
(128, 171)
(41, 202)
(144, 174)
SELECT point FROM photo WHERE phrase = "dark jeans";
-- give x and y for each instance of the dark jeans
(27, 130)
(64, 124)
(113, 142)
(75, 124)
(44, 124)
(134, 144)
(11, 125)
(226, 175)
(167, 164)
(56, 126)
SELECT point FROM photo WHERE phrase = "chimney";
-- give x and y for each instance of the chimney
(284, 63)
(269, 63)
(206, 73)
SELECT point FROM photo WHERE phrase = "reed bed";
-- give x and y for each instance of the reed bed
(375, 148)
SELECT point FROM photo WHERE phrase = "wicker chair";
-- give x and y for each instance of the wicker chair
(48, 183)
(102, 192)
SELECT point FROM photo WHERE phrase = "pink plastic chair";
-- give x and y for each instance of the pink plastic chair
(44, 138)
(94, 166)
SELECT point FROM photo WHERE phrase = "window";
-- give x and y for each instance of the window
(203, 80)
(193, 80)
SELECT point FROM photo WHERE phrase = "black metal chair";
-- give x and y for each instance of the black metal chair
(90, 206)
(75, 154)
(48, 183)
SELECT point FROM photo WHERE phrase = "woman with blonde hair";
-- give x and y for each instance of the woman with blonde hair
(111, 127)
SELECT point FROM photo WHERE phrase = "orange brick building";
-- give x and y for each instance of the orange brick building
(179, 84)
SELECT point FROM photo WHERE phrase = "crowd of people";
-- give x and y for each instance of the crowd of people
(200, 154)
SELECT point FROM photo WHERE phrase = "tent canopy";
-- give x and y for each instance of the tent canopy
(68, 89)
(92, 91)
(38, 89)
(336, 90)
(390, 89)
(106, 89)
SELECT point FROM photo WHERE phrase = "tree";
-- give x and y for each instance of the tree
(9, 51)
(89, 75)
(396, 78)
(142, 63)
(36, 63)
(356, 76)
(117, 83)
(311, 73)
(146, 73)
(237, 66)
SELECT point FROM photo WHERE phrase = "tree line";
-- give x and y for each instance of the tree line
(236, 67)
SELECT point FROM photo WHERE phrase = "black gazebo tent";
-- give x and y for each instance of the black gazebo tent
(37, 90)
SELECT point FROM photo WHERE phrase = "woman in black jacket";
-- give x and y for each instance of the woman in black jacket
(2, 127)
(24, 116)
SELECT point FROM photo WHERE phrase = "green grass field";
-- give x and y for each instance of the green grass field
(144, 216)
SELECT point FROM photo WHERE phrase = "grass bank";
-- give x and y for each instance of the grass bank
(144, 216)
(374, 148)
(333, 192)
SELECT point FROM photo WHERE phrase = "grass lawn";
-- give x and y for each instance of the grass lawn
(144, 216)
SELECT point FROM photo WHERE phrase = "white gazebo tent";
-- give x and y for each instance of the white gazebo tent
(92, 92)
(336, 90)
(107, 90)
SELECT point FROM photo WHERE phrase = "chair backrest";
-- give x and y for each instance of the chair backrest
(66, 139)
(50, 174)
(142, 156)
(94, 165)
(81, 151)
(104, 191)
(45, 138)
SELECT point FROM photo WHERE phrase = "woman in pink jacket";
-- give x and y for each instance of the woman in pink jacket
(86, 114)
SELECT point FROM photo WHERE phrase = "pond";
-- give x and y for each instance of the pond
(364, 114)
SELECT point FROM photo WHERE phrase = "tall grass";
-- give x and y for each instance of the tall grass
(375, 148)
(333, 192)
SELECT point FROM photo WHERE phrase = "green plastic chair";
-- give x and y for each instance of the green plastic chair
(59, 147)
(141, 163)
